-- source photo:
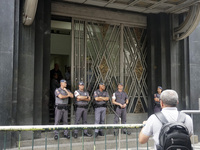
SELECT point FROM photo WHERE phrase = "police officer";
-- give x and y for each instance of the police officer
(61, 109)
(120, 100)
(101, 97)
(157, 107)
(81, 102)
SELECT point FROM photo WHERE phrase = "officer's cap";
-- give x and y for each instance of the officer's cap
(81, 83)
(160, 87)
(63, 80)
(101, 83)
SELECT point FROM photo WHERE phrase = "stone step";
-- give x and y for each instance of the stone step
(100, 145)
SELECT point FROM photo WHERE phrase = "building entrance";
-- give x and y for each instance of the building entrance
(110, 53)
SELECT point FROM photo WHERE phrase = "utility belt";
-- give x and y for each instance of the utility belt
(100, 105)
(60, 107)
(81, 106)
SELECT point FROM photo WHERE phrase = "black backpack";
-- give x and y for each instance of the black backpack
(173, 135)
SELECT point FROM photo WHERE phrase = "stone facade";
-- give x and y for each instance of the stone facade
(24, 65)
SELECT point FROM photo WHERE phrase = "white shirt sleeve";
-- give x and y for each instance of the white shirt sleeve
(189, 124)
(76, 93)
(113, 97)
(148, 128)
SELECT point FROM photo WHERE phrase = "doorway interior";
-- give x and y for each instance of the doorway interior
(60, 55)
(102, 52)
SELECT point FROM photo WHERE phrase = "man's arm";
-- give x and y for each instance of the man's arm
(63, 96)
(83, 98)
(116, 103)
(143, 138)
(155, 98)
(147, 130)
(101, 98)
(59, 95)
(123, 106)
(127, 101)
(69, 93)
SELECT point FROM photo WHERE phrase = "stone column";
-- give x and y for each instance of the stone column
(194, 64)
(167, 59)
(9, 11)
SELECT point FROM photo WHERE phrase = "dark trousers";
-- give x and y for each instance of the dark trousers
(122, 114)
(81, 113)
(61, 113)
(100, 114)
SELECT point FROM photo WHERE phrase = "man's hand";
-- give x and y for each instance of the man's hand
(69, 93)
(156, 99)
(121, 105)
(124, 105)
(144, 122)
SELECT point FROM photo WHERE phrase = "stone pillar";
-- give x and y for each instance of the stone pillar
(46, 61)
(194, 64)
(24, 67)
(167, 59)
(26, 74)
(9, 11)
(158, 60)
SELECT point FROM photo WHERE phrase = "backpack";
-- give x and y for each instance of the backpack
(173, 135)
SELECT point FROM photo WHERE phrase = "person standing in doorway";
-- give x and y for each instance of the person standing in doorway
(157, 107)
(81, 108)
(53, 86)
(120, 100)
(61, 106)
(56, 70)
(101, 97)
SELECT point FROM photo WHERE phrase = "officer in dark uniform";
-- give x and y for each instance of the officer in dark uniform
(157, 107)
(81, 103)
(120, 100)
(61, 109)
(101, 97)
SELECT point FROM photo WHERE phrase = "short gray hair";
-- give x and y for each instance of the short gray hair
(169, 97)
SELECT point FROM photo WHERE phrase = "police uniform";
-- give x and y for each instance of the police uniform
(61, 110)
(157, 107)
(82, 108)
(100, 109)
(120, 97)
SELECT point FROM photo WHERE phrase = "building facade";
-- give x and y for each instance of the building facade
(142, 48)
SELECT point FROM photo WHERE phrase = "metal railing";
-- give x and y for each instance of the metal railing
(47, 128)
(192, 112)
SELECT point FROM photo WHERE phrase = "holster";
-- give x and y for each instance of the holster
(75, 107)
(115, 107)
